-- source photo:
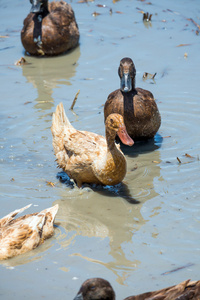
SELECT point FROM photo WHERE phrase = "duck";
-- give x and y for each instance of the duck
(86, 156)
(101, 289)
(137, 106)
(25, 233)
(50, 28)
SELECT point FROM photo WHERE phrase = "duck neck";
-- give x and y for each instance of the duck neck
(110, 138)
(133, 83)
(44, 8)
(111, 168)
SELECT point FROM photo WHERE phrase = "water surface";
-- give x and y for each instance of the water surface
(135, 232)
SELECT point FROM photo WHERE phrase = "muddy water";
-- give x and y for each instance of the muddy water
(131, 234)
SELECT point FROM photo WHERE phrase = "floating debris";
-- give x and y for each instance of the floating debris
(185, 55)
(147, 75)
(21, 61)
(95, 14)
(195, 23)
(50, 183)
(179, 160)
(101, 5)
(147, 17)
(177, 269)
(188, 155)
(174, 12)
(134, 168)
(75, 99)
(182, 45)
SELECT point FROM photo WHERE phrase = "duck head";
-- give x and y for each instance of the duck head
(115, 126)
(95, 288)
(39, 6)
(127, 74)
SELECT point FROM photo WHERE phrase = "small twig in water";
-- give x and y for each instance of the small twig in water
(177, 269)
(195, 23)
(74, 101)
(188, 155)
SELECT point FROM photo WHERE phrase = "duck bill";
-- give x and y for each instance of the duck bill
(124, 137)
(126, 83)
(79, 297)
(36, 6)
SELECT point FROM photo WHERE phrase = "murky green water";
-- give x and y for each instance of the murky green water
(131, 234)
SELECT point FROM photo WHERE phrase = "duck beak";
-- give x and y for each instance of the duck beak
(36, 6)
(126, 83)
(79, 297)
(124, 137)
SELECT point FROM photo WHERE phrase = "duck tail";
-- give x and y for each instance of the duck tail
(60, 119)
(37, 222)
(51, 211)
(60, 122)
(5, 220)
(50, 214)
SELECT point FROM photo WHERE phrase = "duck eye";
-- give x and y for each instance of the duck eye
(92, 288)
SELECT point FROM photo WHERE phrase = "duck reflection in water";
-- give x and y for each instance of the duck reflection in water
(109, 222)
(48, 74)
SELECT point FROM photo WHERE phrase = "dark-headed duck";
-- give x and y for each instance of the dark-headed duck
(100, 289)
(138, 107)
(50, 28)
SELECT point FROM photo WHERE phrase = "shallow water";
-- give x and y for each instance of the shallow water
(131, 234)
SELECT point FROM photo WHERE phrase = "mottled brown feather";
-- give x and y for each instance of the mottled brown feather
(25, 233)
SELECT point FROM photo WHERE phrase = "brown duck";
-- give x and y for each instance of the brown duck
(86, 156)
(25, 233)
(100, 289)
(50, 28)
(137, 106)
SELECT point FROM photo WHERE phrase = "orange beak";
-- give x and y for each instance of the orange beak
(124, 137)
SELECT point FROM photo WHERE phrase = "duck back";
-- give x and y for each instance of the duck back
(52, 33)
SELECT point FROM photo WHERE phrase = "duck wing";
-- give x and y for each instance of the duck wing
(69, 143)
(22, 236)
(8, 218)
(83, 142)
